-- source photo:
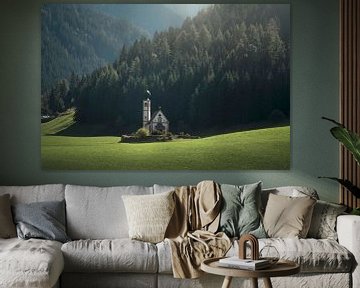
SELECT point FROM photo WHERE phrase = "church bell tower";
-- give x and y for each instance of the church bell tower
(146, 113)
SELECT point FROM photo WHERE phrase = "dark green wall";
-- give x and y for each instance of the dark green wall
(314, 93)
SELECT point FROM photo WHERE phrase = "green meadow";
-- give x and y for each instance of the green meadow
(251, 150)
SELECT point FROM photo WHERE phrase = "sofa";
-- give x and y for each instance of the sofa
(100, 253)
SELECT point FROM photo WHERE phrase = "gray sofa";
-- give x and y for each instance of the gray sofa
(101, 254)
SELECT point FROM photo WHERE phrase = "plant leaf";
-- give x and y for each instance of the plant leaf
(333, 121)
(347, 184)
(349, 139)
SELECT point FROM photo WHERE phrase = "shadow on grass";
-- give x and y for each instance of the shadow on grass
(88, 130)
(243, 127)
(94, 130)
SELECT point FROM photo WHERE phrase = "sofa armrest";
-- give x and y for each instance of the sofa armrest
(348, 230)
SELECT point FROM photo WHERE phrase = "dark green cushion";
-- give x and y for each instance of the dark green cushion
(240, 213)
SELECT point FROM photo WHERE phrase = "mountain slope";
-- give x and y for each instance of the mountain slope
(228, 66)
(149, 17)
(77, 39)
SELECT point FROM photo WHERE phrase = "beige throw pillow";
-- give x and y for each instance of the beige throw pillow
(288, 217)
(149, 215)
(7, 226)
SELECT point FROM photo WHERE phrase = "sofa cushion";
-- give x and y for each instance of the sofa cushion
(7, 226)
(116, 255)
(163, 188)
(36, 193)
(323, 222)
(149, 215)
(287, 216)
(30, 263)
(313, 255)
(291, 191)
(240, 210)
(98, 213)
(43, 220)
(164, 257)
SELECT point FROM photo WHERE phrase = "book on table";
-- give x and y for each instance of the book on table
(236, 262)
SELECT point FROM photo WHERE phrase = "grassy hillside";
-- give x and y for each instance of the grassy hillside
(58, 124)
(257, 149)
(65, 125)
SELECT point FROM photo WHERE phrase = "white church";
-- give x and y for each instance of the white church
(155, 123)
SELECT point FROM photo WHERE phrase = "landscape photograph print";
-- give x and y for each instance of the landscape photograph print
(165, 86)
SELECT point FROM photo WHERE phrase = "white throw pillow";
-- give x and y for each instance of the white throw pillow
(149, 215)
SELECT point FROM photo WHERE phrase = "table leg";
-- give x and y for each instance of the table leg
(254, 282)
(267, 283)
(227, 282)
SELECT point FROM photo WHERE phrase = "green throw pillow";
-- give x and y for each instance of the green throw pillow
(240, 213)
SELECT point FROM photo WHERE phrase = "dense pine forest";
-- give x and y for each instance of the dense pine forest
(226, 67)
(77, 39)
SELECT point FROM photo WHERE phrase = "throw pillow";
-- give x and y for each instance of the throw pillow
(149, 215)
(7, 226)
(44, 220)
(288, 217)
(292, 191)
(323, 222)
(240, 213)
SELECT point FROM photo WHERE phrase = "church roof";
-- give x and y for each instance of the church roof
(155, 113)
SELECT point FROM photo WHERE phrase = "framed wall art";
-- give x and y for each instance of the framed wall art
(165, 86)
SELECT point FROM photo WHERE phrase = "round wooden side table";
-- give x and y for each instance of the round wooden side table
(281, 268)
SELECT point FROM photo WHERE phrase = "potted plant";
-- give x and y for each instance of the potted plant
(351, 141)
